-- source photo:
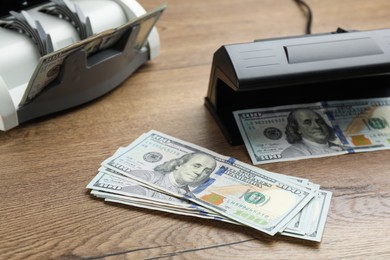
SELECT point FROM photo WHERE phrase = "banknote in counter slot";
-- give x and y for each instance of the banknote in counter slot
(341, 65)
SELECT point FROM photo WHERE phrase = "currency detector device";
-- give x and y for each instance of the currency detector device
(294, 70)
(59, 54)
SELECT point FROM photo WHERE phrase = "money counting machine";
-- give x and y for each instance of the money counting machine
(293, 70)
(62, 53)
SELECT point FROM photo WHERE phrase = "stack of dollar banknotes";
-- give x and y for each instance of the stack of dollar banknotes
(160, 172)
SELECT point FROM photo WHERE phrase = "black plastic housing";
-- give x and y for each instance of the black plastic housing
(294, 70)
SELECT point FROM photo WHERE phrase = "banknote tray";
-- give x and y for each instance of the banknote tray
(295, 70)
(95, 76)
(83, 77)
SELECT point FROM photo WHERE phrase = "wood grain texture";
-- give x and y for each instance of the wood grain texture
(47, 213)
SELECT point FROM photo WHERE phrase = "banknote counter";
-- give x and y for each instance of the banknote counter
(300, 69)
(60, 54)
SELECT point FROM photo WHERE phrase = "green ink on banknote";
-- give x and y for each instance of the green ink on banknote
(254, 197)
(377, 123)
(252, 218)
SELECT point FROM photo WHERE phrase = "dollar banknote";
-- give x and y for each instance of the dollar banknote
(112, 182)
(145, 204)
(115, 187)
(245, 194)
(315, 222)
(162, 173)
(319, 129)
(308, 224)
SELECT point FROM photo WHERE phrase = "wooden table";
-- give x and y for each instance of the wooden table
(47, 213)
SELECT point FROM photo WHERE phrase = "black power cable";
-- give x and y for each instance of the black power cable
(308, 12)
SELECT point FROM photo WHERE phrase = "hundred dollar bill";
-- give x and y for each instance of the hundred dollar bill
(319, 208)
(50, 65)
(115, 187)
(130, 201)
(364, 124)
(299, 224)
(250, 196)
(312, 217)
(108, 181)
(307, 224)
(319, 129)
